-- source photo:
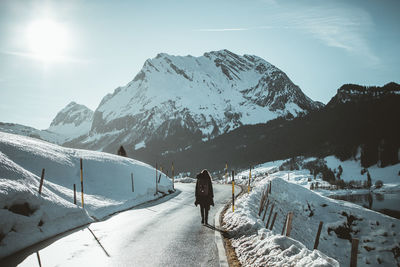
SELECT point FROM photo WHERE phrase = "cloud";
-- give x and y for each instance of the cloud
(335, 25)
(343, 27)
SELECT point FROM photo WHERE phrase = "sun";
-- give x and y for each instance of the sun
(47, 39)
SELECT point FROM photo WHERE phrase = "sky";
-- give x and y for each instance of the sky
(55, 52)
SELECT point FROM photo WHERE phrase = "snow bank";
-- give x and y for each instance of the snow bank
(257, 246)
(27, 217)
(352, 171)
(185, 180)
(378, 234)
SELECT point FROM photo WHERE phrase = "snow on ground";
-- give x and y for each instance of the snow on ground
(27, 217)
(185, 180)
(378, 234)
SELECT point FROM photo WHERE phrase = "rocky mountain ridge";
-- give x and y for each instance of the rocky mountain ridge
(193, 98)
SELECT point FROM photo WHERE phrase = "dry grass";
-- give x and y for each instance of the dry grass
(233, 260)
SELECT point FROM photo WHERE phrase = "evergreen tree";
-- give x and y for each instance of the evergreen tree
(340, 171)
(121, 151)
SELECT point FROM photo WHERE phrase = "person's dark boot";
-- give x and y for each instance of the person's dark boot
(206, 215)
(202, 215)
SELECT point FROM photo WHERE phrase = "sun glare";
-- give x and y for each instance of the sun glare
(47, 40)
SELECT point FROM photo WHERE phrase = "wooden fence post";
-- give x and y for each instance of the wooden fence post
(74, 194)
(289, 224)
(284, 225)
(41, 182)
(318, 234)
(270, 214)
(133, 186)
(262, 202)
(233, 191)
(156, 180)
(354, 250)
(270, 187)
(82, 182)
(265, 212)
(273, 221)
(173, 176)
(38, 258)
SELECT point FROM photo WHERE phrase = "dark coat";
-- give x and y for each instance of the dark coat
(204, 200)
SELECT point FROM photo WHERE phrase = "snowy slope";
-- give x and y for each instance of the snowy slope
(32, 132)
(203, 96)
(378, 234)
(107, 187)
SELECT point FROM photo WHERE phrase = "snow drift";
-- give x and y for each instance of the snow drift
(379, 242)
(27, 217)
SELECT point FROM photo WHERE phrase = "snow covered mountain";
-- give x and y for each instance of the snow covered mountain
(72, 121)
(191, 99)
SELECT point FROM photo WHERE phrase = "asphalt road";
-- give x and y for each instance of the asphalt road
(166, 232)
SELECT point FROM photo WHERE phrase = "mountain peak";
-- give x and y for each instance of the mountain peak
(73, 120)
(193, 98)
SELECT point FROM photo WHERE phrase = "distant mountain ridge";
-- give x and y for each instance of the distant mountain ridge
(366, 128)
(354, 93)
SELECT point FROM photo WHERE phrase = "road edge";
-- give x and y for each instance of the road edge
(223, 260)
(219, 239)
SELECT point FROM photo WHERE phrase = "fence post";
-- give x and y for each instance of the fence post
(156, 180)
(318, 234)
(270, 214)
(82, 182)
(38, 258)
(173, 178)
(41, 182)
(264, 196)
(74, 194)
(354, 250)
(273, 221)
(265, 212)
(270, 187)
(133, 186)
(233, 191)
(284, 225)
(289, 224)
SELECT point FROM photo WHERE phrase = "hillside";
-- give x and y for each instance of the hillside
(27, 217)
(371, 124)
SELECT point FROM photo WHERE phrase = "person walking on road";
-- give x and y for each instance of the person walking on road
(204, 194)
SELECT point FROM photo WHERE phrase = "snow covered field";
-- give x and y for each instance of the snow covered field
(378, 234)
(27, 217)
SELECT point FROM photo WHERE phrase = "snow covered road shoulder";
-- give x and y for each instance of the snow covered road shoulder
(257, 246)
(27, 217)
